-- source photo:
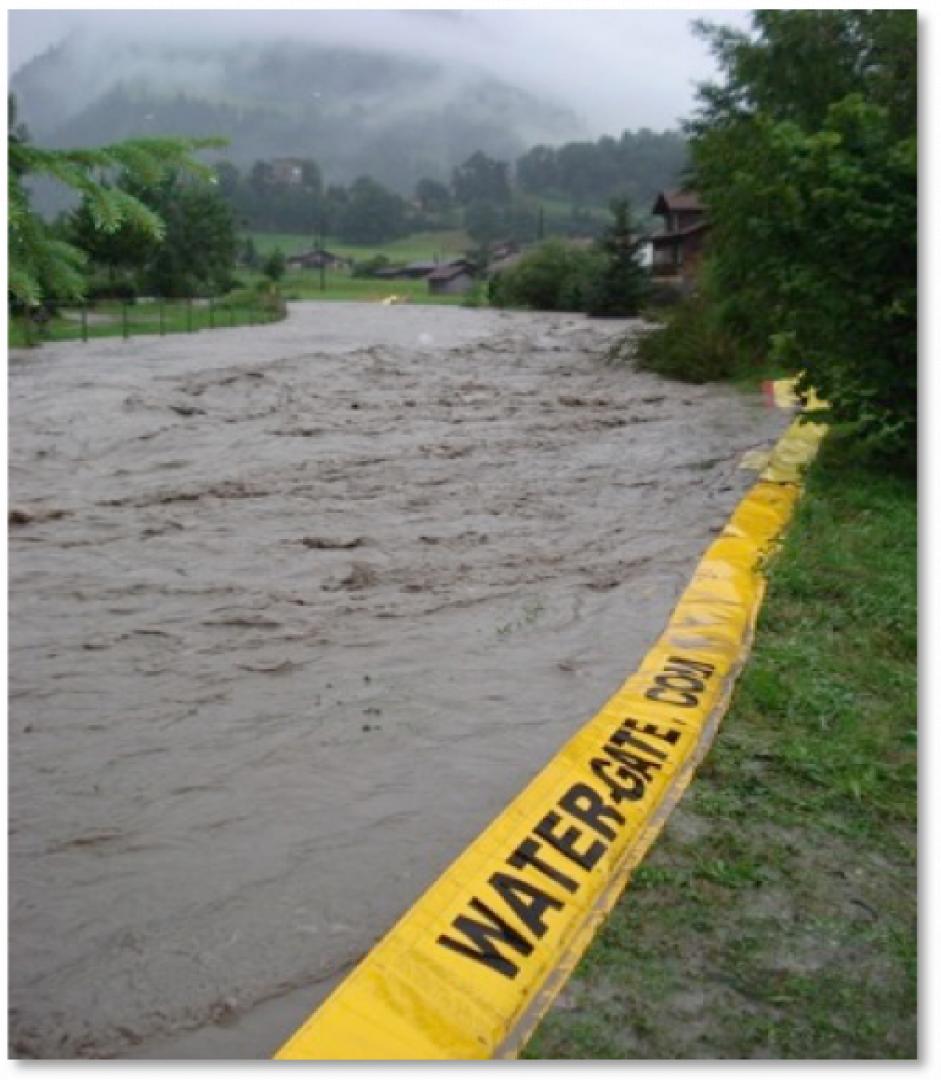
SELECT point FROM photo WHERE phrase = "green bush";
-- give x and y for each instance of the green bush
(692, 346)
(551, 277)
(363, 268)
(812, 190)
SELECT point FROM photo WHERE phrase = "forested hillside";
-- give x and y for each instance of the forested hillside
(356, 112)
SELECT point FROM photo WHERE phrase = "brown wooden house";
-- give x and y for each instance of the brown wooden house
(677, 251)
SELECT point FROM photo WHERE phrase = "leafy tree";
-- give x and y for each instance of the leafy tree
(481, 178)
(371, 214)
(249, 253)
(274, 265)
(432, 196)
(806, 158)
(483, 222)
(638, 164)
(199, 242)
(40, 264)
(622, 283)
(120, 251)
(552, 277)
(228, 178)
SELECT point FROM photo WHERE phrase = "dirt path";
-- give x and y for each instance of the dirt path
(294, 612)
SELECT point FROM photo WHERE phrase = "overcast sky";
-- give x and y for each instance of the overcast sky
(614, 68)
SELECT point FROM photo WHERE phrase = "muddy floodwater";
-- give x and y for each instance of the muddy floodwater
(294, 611)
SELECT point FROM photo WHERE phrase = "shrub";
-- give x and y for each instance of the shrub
(693, 346)
(363, 268)
(551, 277)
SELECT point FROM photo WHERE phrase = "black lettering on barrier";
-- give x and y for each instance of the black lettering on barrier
(527, 854)
(624, 737)
(619, 792)
(671, 735)
(528, 902)
(633, 764)
(585, 804)
(565, 842)
(683, 663)
(681, 683)
(482, 938)
(629, 782)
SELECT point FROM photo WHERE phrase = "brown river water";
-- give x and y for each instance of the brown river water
(294, 612)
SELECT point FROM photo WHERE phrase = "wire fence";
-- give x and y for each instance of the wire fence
(71, 320)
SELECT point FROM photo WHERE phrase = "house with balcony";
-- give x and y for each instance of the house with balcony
(677, 250)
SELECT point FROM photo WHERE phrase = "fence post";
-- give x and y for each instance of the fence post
(28, 328)
(85, 321)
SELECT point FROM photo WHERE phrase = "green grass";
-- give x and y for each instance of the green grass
(414, 248)
(107, 318)
(776, 915)
(305, 285)
(113, 319)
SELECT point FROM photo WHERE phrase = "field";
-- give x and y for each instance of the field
(305, 285)
(414, 248)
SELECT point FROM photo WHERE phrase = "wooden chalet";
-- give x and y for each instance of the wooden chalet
(677, 250)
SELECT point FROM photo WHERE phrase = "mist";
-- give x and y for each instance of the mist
(613, 69)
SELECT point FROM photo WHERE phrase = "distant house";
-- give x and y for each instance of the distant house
(287, 171)
(677, 250)
(455, 277)
(417, 270)
(503, 250)
(315, 259)
(413, 271)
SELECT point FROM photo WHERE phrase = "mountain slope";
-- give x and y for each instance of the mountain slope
(393, 116)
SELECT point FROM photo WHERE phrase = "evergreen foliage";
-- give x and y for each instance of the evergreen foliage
(622, 283)
(42, 264)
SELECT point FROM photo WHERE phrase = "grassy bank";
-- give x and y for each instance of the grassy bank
(775, 916)
(112, 318)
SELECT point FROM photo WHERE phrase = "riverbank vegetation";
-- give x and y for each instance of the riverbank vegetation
(811, 189)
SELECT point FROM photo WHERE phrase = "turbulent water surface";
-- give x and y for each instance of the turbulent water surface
(294, 611)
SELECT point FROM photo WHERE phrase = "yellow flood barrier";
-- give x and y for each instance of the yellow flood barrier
(473, 965)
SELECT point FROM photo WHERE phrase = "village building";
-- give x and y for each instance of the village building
(316, 259)
(677, 250)
(455, 277)
(289, 171)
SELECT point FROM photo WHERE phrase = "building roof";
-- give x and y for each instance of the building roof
(678, 234)
(452, 270)
(668, 201)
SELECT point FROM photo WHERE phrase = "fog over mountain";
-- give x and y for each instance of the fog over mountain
(613, 68)
(398, 94)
